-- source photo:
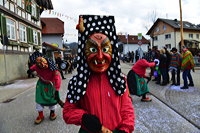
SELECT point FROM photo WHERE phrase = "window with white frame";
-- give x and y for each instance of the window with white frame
(10, 24)
(22, 33)
(12, 7)
(33, 11)
(155, 38)
(157, 29)
(168, 46)
(35, 37)
(164, 27)
(167, 36)
(1, 2)
(197, 36)
(20, 3)
(190, 35)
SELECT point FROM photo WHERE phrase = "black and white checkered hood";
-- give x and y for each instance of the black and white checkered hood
(78, 84)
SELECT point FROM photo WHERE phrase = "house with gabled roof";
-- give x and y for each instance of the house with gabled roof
(20, 35)
(131, 43)
(166, 33)
(52, 36)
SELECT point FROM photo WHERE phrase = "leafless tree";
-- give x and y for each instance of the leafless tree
(151, 19)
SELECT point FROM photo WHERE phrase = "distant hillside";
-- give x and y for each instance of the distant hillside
(73, 45)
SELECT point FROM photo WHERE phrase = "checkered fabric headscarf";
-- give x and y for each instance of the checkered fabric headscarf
(51, 64)
(78, 84)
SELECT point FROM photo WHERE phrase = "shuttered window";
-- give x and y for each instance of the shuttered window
(1, 2)
(22, 33)
(11, 29)
(3, 25)
(39, 38)
(28, 6)
(29, 35)
(35, 37)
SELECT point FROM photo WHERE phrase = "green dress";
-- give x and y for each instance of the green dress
(137, 85)
(45, 94)
(142, 87)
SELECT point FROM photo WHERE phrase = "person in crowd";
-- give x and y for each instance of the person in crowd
(137, 55)
(69, 64)
(132, 56)
(149, 57)
(59, 61)
(129, 56)
(48, 86)
(174, 67)
(122, 57)
(74, 61)
(70, 69)
(168, 54)
(155, 55)
(30, 74)
(97, 97)
(163, 68)
(186, 66)
(136, 82)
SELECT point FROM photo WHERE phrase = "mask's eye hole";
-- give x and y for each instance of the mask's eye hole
(93, 50)
(105, 50)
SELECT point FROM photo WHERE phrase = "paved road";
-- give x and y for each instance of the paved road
(18, 115)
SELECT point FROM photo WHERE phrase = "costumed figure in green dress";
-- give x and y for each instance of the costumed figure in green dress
(48, 86)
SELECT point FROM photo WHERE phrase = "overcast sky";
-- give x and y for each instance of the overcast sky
(131, 16)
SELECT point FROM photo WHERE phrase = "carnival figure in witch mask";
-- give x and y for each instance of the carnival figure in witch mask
(48, 86)
(97, 97)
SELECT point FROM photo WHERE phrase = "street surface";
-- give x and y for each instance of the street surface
(171, 111)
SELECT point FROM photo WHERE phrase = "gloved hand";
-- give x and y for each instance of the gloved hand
(29, 71)
(156, 61)
(57, 98)
(148, 78)
(91, 122)
(119, 131)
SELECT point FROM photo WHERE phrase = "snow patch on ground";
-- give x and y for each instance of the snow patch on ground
(178, 88)
(17, 84)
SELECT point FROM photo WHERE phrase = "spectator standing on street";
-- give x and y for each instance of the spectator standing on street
(129, 57)
(97, 97)
(132, 56)
(155, 54)
(59, 61)
(149, 57)
(163, 67)
(168, 54)
(137, 55)
(30, 74)
(174, 67)
(186, 66)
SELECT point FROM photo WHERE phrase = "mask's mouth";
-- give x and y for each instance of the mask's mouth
(99, 62)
